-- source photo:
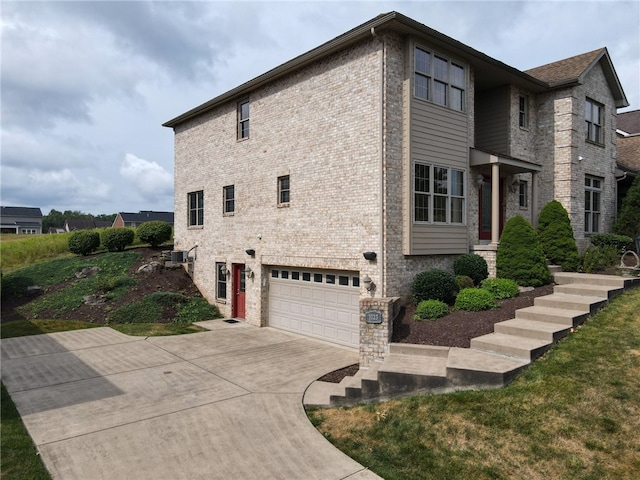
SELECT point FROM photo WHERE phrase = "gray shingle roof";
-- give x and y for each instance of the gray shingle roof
(20, 212)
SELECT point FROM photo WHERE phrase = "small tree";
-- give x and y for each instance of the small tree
(154, 233)
(83, 242)
(628, 222)
(520, 256)
(117, 239)
(556, 236)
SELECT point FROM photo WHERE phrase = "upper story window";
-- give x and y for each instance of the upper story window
(438, 194)
(523, 111)
(243, 120)
(196, 208)
(229, 199)
(593, 112)
(284, 190)
(439, 80)
(592, 208)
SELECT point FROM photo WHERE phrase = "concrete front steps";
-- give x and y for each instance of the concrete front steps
(493, 360)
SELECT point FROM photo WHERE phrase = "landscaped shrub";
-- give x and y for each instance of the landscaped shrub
(117, 239)
(83, 242)
(599, 258)
(621, 243)
(628, 222)
(434, 284)
(462, 281)
(500, 288)
(556, 237)
(473, 266)
(520, 256)
(474, 300)
(154, 233)
(430, 310)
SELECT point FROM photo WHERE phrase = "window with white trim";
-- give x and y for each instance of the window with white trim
(221, 281)
(438, 194)
(523, 194)
(196, 208)
(439, 80)
(594, 121)
(592, 204)
(229, 199)
(243, 120)
(284, 190)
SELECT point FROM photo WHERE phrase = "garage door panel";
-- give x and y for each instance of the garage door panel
(328, 310)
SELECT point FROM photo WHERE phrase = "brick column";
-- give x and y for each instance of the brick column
(376, 328)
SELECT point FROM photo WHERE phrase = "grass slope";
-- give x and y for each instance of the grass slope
(575, 413)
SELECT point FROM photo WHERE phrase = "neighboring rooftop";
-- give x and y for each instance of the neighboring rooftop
(147, 216)
(628, 153)
(629, 122)
(20, 212)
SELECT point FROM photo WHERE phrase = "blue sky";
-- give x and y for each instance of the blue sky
(87, 85)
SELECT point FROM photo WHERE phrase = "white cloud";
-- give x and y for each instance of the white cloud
(149, 178)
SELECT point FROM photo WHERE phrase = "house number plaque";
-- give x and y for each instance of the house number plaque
(373, 316)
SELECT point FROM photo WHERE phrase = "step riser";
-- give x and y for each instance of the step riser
(392, 383)
(510, 351)
(568, 304)
(585, 290)
(531, 333)
(459, 378)
(608, 281)
(578, 319)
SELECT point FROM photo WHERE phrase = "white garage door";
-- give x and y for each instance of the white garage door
(321, 304)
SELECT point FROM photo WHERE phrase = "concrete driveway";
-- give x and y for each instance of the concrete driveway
(224, 404)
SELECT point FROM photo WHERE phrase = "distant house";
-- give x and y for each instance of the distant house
(124, 219)
(628, 151)
(21, 220)
(73, 225)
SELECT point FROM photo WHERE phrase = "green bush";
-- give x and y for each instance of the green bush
(471, 265)
(628, 222)
(154, 233)
(117, 239)
(434, 284)
(556, 237)
(599, 258)
(474, 300)
(83, 242)
(430, 310)
(621, 243)
(462, 281)
(500, 288)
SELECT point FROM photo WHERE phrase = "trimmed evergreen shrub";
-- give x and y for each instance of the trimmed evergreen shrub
(621, 243)
(474, 300)
(430, 310)
(473, 266)
(500, 288)
(462, 281)
(599, 258)
(117, 239)
(154, 233)
(556, 237)
(83, 242)
(434, 284)
(520, 256)
(628, 222)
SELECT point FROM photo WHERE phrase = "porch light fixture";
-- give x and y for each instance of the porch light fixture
(251, 252)
(248, 272)
(479, 180)
(368, 283)
(223, 269)
(370, 255)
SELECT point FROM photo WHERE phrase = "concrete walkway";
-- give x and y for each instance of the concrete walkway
(224, 404)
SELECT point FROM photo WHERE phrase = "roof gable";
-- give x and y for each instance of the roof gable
(573, 70)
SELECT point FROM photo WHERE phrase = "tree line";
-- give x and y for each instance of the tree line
(57, 219)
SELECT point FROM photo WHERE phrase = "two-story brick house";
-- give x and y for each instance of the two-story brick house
(333, 179)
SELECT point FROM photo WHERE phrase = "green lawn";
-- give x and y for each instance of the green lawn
(573, 414)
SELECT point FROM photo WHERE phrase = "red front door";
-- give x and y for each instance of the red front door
(239, 282)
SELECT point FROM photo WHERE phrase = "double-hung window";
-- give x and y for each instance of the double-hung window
(439, 80)
(243, 120)
(594, 121)
(284, 190)
(196, 208)
(438, 194)
(592, 204)
(228, 200)
(221, 281)
(523, 111)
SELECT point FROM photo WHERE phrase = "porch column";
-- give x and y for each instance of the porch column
(534, 199)
(495, 203)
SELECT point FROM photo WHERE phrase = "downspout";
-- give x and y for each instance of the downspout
(381, 257)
